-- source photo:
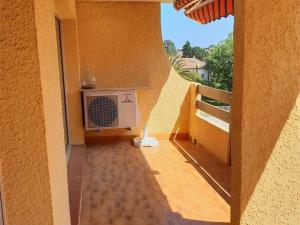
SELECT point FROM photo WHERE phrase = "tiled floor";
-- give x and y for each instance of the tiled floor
(75, 176)
(124, 185)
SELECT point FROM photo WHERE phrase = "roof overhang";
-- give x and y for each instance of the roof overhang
(205, 11)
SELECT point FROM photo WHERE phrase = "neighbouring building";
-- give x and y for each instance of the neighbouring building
(195, 65)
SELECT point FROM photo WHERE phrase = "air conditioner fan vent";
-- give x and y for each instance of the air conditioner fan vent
(103, 111)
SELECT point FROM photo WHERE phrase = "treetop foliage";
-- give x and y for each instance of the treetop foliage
(218, 58)
(189, 52)
(170, 47)
(219, 63)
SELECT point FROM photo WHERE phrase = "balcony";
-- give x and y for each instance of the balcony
(179, 182)
(120, 43)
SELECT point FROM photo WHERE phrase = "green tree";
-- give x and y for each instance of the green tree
(199, 53)
(219, 62)
(187, 50)
(170, 47)
(177, 64)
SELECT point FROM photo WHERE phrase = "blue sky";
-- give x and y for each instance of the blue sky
(179, 28)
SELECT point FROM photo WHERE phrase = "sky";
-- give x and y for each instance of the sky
(179, 28)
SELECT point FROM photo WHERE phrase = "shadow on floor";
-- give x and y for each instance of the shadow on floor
(124, 185)
(216, 173)
(75, 176)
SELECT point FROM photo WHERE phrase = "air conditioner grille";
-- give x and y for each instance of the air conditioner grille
(102, 111)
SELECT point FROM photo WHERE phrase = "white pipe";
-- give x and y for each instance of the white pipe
(145, 132)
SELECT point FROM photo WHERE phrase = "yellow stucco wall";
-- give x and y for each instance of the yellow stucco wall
(52, 106)
(121, 44)
(209, 136)
(24, 161)
(65, 9)
(72, 81)
(266, 102)
(31, 136)
(266, 114)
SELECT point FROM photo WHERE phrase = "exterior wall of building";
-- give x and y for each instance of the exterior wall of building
(32, 146)
(212, 138)
(52, 107)
(266, 114)
(72, 81)
(65, 9)
(120, 43)
(266, 102)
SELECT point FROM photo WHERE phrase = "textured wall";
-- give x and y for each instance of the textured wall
(52, 106)
(206, 134)
(25, 161)
(266, 114)
(25, 174)
(31, 137)
(65, 9)
(121, 44)
(72, 81)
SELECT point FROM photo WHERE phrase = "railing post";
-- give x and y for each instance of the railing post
(229, 143)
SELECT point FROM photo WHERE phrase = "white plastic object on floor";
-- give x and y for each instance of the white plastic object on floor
(145, 141)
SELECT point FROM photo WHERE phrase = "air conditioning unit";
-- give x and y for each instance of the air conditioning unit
(105, 109)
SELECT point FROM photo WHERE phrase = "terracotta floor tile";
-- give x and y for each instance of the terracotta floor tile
(124, 185)
(75, 176)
